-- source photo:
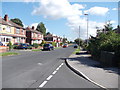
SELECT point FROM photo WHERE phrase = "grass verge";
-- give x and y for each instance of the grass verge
(57, 47)
(8, 53)
(36, 50)
(76, 51)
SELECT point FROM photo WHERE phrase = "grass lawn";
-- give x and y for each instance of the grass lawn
(36, 50)
(57, 47)
(8, 53)
(76, 51)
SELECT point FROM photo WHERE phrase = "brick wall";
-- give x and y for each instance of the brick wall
(3, 49)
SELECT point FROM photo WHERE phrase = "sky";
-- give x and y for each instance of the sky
(62, 17)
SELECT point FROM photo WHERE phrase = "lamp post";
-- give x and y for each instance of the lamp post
(87, 28)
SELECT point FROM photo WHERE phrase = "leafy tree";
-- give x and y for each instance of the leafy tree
(48, 33)
(17, 21)
(64, 40)
(79, 41)
(41, 28)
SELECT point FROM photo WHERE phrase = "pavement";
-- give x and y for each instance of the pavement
(83, 65)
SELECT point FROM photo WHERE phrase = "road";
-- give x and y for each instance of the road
(45, 69)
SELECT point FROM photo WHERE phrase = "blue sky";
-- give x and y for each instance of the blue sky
(63, 19)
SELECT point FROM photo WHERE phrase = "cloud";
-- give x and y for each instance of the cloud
(34, 24)
(57, 9)
(97, 11)
(115, 9)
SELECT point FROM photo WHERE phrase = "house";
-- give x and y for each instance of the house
(10, 31)
(33, 36)
(52, 38)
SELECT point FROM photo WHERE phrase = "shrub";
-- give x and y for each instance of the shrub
(10, 45)
(35, 45)
(42, 43)
(53, 43)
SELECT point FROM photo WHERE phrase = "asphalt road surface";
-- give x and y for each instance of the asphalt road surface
(44, 69)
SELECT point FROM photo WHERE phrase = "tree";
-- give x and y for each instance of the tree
(41, 28)
(64, 40)
(79, 41)
(48, 33)
(17, 21)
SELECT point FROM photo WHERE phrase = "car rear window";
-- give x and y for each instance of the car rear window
(45, 45)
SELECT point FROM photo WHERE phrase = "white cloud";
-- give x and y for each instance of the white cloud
(115, 9)
(112, 22)
(56, 9)
(34, 24)
(97, 11)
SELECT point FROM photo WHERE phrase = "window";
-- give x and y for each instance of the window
(7, 39)
(0, 27)
(8, 29)
(17, 30)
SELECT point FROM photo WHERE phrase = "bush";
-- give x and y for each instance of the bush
(42, 43)
(10, 45)
(53, 43)
(105, 42)
(35, 45)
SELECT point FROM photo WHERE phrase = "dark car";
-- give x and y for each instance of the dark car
(22, 46)
(1, 44)
(75, 46)
(48, 47)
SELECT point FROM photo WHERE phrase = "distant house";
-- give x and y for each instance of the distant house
(10, 31)
(33, 36)
(52, 38)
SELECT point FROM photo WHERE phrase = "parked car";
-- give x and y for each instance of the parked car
(29, 46)
(75, 46)
(1, 44)
(15, 45)
(48, 47)
(65, 45)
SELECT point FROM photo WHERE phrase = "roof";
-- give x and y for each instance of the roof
(51, 35)
(32, 30)
(10, 23)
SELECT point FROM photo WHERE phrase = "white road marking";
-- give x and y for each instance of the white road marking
(54, 72)
(49, 77)
(57, 68)
(43, 84)
(39, 63)
(62, 63)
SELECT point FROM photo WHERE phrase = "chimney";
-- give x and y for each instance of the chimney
(6, 18)
(33, 27)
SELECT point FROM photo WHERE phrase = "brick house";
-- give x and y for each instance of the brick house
(10, 31)
(33, 36)
(51, 38)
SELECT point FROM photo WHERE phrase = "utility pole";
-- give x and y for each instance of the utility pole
(79, 37)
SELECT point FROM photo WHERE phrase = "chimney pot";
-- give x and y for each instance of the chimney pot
(33, 27)
(6, 18)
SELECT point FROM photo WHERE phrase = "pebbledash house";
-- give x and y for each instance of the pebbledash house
(10, 31)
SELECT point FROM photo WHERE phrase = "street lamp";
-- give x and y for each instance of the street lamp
(87, 28)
